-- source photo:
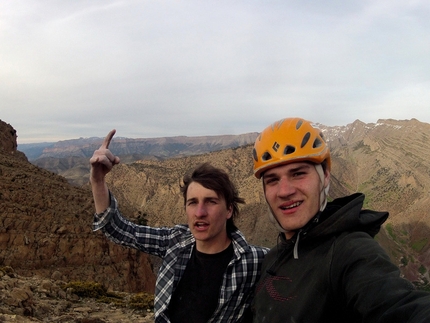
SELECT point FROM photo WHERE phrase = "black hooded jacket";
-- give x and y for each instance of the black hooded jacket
(334, 271)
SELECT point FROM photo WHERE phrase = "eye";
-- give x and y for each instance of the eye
(270, 180)
(298, 174)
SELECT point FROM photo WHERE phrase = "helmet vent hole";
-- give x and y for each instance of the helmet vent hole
(317, 143)
(254, 154)
(266, 156)
(305, 139)
(299, 124)
(289, 150)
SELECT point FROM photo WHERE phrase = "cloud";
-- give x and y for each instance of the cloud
(163, 68)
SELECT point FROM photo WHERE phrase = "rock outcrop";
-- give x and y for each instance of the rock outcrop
(8, 141)
(45, 227)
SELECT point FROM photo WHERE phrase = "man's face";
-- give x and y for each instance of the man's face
(293, 194)
(207, 215)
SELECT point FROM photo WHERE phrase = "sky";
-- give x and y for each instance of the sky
(163, 68)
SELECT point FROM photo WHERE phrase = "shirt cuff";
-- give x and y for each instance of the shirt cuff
(101, 219)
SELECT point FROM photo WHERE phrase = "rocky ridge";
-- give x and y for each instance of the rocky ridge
(45, 228)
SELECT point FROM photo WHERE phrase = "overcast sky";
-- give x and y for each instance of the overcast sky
(76, 68)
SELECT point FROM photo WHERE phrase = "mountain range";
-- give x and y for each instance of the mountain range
(69, 158)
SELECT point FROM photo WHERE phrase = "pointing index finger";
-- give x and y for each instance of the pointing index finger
(108, 139)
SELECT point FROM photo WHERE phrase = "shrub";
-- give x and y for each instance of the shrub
(139, 301)
(142, 301)
(419, 245)
(86, 289)
(422, 270)
(7, 270)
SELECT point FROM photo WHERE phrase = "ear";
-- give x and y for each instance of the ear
(230, 212)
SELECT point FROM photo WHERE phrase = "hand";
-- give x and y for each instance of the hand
(103, 160)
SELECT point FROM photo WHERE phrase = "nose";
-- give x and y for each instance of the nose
(201, 210)
(285, 188)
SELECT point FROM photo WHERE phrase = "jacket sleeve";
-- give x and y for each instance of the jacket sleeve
(371, 285)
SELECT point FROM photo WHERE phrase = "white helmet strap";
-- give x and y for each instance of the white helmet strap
(325, 189)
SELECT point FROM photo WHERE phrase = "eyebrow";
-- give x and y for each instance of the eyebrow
(291, 170)
(207, 198)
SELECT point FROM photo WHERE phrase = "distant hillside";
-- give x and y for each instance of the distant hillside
(165, 147)
(34, 151)
(69, 158)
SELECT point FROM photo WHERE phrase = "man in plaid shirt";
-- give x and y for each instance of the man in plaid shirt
(208, 271)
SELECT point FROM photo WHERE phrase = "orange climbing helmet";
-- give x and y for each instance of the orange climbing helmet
(289, 140)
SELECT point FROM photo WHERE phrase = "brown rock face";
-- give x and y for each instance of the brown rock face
(45, 227)
(8, 143)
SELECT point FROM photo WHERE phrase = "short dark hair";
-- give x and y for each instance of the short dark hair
(217, 180)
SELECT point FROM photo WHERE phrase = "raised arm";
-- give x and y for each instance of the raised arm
(102, 162)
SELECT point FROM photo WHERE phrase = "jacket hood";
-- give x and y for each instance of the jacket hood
(346, 214)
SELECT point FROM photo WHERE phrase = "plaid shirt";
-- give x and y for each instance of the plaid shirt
(174, 246)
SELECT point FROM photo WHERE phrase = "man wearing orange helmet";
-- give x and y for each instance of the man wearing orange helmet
(326, 266)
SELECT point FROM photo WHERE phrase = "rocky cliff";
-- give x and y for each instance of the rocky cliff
(8, 144)
(45, 227)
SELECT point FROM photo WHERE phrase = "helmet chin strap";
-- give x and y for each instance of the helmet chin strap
(275, 221)
(323, 199)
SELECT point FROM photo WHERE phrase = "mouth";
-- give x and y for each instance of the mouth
(201, 225)
(290, 206)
